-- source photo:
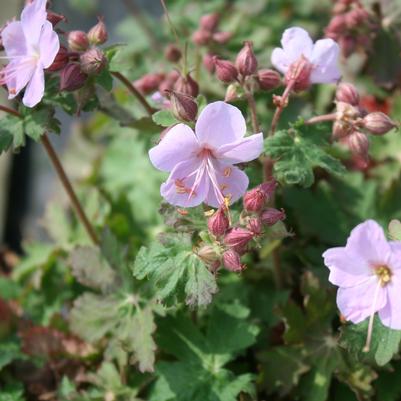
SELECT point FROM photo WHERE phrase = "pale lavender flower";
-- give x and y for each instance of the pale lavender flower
(31, 45)
(322, 57)
(200, 163)
(368, 273)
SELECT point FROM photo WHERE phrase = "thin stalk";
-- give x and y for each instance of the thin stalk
(172, 27)
(149, 109)
(252, 107)
(320, 119)
(63, 178)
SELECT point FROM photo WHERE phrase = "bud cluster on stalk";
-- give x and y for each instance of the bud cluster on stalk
(351, 26)
(233, 241)
(353, 123)
(208, 34)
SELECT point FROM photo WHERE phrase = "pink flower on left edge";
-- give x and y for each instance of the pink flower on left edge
(368, 273)
(201, 163)
(31, 45)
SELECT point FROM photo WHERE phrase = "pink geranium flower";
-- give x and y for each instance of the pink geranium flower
(200, 163)
(368, 273)
(319, 60)
(31, 45)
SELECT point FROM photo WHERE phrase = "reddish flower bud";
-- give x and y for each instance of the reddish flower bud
(93, 61)
(268, 79)
(232, 261)
(222, 37)
(254, 225)
(201, 37)
(246, 61)
(358, 143)
(208, 62)
(340, 130)
(209, 22)
(183, 106)
(255, 199)
(238, 238)
(149, 83)
(336, 26)
(271, 216)
(347, 93)
(208, 255)
(378, 123)
(78, 41)
(299, 72)
(187, 85)
(60, 61)
(72, 78)
(218, 224)
(225, 70)
(347, 44)
(55, 18)
(98, 34)
(172, 53)
(355, 17)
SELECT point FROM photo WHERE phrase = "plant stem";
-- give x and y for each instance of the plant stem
(252, 107)
(63, 178)
(149, 109)
(320, 119)
(282, 104)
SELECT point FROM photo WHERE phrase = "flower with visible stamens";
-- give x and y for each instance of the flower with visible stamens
(368, 273)
(31, 45)
(201, 163)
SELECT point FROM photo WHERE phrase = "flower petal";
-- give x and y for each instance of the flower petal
(179, 144)
(296, 42)
(232, 183)
(346, 270)
(177, 189)
(390, 315)
(35, 89)
(355, 303)
(243, 150)
(17, 74)
(367, 241)
(325, 58)
(219, 124)
(280, 60)
(49, 45)
(14, 39)
(33, 17)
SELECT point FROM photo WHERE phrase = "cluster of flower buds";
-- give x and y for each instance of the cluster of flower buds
(233, 241)
(351, 26)
(208, 34)
(353, 123)
(83, 58)
(244, 73)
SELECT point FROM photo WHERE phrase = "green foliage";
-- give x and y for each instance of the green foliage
(11, 133)
(164, 118)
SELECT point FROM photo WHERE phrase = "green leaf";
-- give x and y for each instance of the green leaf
(297, 151)
(388, 384)
(39, 121)
(11, 133)
(13, 392)
(385, 342)
(9, 351)
(164, 118)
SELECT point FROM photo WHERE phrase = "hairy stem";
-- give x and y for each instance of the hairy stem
(252, 107)
(63, 178)
(149, 109)
(320, 119)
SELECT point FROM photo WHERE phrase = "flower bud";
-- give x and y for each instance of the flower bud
(231, 93)
(355, 17)
(208, 254)
(98, 34)
(358, 143)
(208, 62)
(347, 93)
(336, 26)
(254, 225)
(78, 41)
(268, 79)
(209, 22)
(201, 37)
(300, 72)
(60, 61)
(172, 53)
(232, 261)
(93, 61)
(225, 70)
(187, 85)
(255, 199)
(218, 223)
(183, 106)
(55, 18)
(222, 37)
(72, 78)
(246, 61)
(149, 83)
(378, 123)
(238, 238)
(271, 216)
(340, 130)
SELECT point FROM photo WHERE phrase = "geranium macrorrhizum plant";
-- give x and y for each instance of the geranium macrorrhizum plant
(228, 298)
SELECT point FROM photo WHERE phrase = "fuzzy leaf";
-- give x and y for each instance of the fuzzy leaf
(297, 151)
(39, 121)
(11, 133)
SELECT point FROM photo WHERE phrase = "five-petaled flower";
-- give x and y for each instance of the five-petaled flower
(201, 163)
(31, 45)
(302, 60)
(368, 272)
